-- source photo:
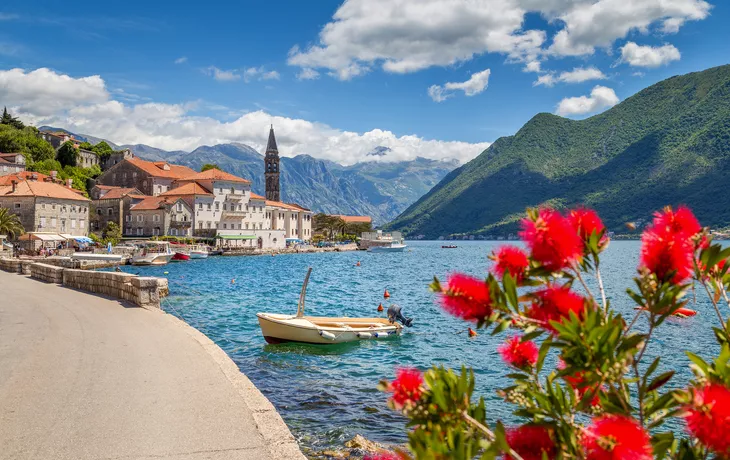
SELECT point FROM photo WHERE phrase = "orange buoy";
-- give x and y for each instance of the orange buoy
(472, 333)
(380, 307)
(386, 294)
(357, 264)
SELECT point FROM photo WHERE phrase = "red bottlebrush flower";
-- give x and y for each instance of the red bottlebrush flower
(552, 240)
(709, 417)
(382, 456)
(664, 251)
(586, 222)
(519, 354)
(555, 303)
(682, 221)
(530, 441)
(512, 260)
(616, 437)
(407, 387)
(467, 297)
(577, 382)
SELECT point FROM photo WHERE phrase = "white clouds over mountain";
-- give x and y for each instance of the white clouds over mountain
(473, 86)
(577, 75)
(84, 105)
(648, 56)
(600, 98)
(406, 36)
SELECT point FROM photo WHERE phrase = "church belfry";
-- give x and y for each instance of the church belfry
(271, 168)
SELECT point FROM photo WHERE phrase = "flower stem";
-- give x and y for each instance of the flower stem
(486, 432)
(639, 393)
(603, 291)
(714, 304)
(582, 282)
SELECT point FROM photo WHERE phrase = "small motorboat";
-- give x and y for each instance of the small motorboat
(198, 251)
(449, 246)
(153, 253)
(681, 312)
(393, 247)
(180, 256)
(278, 328)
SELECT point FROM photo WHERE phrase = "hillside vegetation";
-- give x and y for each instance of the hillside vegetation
(668, 144)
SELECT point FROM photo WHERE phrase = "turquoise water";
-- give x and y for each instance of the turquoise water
(327, 394)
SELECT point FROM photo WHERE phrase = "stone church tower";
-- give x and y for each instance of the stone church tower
(271, 168)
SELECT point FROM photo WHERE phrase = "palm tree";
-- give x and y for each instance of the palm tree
(10, 224)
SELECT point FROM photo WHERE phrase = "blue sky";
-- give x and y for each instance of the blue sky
(112, 71)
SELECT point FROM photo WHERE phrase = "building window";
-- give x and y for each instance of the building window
(200, 225)
(140, 218)
(109, 211)
(239, 226)
(42, 222)
(225, 226)
(98, 212)
(209, 206)
(53, 222)
(17, 205)
(246, 225)
(225, 207)
(156, 218)
(139, 230)
(43, 206)
(128, 218)
(173, 232)
(217, 206)
(179, 207)
(82, 223)
(200, 206)
(233, 190)
(208, 224)
(73, 223)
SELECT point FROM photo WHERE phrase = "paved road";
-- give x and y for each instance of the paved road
(83, 377)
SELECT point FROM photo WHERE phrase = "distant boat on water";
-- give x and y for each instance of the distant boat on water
(380, 241)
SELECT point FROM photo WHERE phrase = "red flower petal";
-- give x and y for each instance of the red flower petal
(664, 252)
(616, 437)
(530, 441)
(586, 222)
(709, 417)
(552, 240)
(512, 260)
(467, 297)
(519, 354)
(554, 304)
(681, 221)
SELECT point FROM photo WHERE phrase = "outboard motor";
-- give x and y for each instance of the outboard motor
(394, 313)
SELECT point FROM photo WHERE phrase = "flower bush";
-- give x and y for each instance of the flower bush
(603, 399)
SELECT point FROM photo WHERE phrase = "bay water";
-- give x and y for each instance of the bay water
(327, 393)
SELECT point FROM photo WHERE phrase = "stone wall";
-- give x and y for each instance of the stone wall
(145, 292)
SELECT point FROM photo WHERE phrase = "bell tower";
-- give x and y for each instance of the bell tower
(271, 168)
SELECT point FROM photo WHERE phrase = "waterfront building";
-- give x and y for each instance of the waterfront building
(112, 204)
(159, 216)
(150, 177)
(271, 168)
(201, 201)
(295, 220)
(355, 219)
(45, 206)
(11, 163)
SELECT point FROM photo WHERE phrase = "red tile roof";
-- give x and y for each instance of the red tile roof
(151, 203)
(289, 206)
(356, 219)
(191, 188)
(118, 193)
(20, 176)
(41, 189)
(162, 169)
(256, 197)
(217, 174)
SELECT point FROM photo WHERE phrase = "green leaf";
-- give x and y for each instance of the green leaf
(660, 381)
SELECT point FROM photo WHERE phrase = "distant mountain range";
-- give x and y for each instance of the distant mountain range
(668, 144)
(377, 189)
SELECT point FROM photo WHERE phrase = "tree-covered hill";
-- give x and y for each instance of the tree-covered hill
(668, 144)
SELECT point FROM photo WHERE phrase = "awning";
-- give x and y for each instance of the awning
(67, 236)
(42, 237)
(236, 237)
(82, 239)
(296, 240)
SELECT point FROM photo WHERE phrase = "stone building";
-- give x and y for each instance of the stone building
(115, 157)
(151, 178)
(87, 158)
(201, 201)
(159, 216)
(112, 204)
(271, 168)
(11, 163)
(56, 139)
(45, 206)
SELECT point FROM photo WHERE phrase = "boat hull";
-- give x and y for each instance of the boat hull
(198, 255)
(391, 248)
(180, 256)
(156, 259)
(324, 331)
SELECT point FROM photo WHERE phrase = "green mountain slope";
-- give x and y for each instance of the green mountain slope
(668, 144)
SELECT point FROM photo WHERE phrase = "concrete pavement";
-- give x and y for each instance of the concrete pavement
(84, 377)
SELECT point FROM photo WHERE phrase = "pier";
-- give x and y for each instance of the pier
(89, 377)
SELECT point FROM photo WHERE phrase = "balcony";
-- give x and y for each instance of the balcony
(233, 214)
(181, 224)
(234, 197)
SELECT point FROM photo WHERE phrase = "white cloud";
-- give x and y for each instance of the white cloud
(577, 75)
(8, 16)
(533, 66)
(83, 105)
(181, 60)
(308, 74)
(259, 73)
(473, 86)
(600, 98)
(407, 36)
(221, 75)
(648, 56)
(44, 92)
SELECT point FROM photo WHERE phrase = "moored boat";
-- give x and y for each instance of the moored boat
(278, 328)
(198, 251)
(393, 247)
(180, 256)
(153, 253)
(449, 246)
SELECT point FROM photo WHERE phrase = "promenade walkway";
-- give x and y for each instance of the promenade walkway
(84, 377)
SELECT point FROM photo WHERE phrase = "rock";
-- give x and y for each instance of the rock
(336, 454)
(359, 442)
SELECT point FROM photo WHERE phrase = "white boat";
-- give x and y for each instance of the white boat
(393, 247)
(198, 251)
(92, 256)
(278, 328)
(153, 253)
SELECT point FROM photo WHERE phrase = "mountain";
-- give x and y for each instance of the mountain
(380, 190)
(668, 144)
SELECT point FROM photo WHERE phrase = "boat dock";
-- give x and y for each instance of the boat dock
(87, 377)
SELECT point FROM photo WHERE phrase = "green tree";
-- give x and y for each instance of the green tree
(10, 120)
(112, 233)
(102, 149)
(46, 166)
(208, 166)
(10, 224)
(25, 141)
(67, 154)
(86, 146)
